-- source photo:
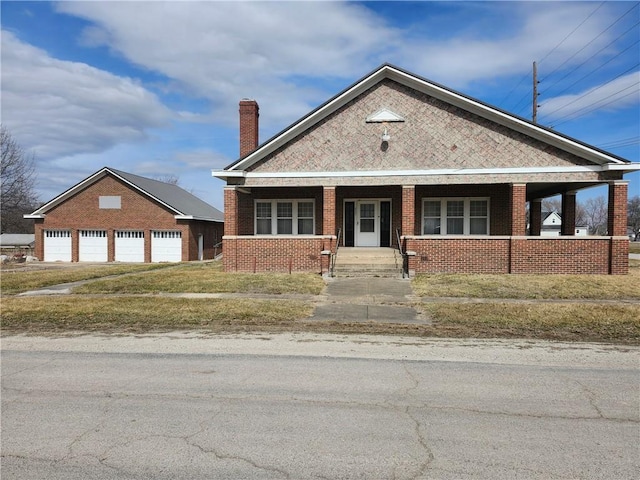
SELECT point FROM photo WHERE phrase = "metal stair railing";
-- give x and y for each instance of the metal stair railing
(405, 257)
(335, 254)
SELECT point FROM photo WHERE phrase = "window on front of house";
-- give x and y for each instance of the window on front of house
(285, 217)
(455, 216)
(263, 218)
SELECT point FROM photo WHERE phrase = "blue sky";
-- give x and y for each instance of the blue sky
(152, 88)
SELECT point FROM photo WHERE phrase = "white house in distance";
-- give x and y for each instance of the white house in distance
(552, 226)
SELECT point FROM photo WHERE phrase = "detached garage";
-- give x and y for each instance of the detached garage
(117, 216)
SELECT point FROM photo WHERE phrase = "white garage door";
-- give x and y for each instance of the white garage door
(92, 246)
(129, 246)
(57, 246)
(166, 247)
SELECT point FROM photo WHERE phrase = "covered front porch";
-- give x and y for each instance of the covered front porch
(461, 228)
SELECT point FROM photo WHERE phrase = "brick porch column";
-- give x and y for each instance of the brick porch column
(518, 209)
(230, 211)
(568, 213)
(329, 211)
(408, 210)
(617, 219)
(535, 217)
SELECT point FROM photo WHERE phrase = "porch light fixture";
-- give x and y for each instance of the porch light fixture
(385, 135)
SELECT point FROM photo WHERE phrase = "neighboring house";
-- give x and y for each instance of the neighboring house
(552, 226)
(117, 216)
(12, 243)
(397, 156)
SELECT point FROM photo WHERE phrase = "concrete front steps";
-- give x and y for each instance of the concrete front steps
(368, 262)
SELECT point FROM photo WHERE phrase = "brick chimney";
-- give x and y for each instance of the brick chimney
(248, 126)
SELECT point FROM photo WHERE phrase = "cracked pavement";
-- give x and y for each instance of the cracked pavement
(317, 407)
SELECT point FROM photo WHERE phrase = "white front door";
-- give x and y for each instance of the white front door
(367, 223)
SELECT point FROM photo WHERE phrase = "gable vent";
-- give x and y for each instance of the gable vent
(384, 115)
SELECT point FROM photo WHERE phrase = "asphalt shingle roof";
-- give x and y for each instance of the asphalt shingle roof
(176, 197)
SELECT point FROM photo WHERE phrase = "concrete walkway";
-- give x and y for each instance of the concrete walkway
(376, 299)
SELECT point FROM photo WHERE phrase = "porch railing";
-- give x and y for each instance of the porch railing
(332, 267)
(405, 257)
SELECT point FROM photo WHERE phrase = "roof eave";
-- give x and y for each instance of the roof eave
(196, 217)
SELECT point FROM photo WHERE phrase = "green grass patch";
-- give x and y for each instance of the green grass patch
(531, 286)
(40, 315)
(206, 278)
(634, 247)
(34, 277)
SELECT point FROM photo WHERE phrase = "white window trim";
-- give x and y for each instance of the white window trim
(467, 215)
(274, 215)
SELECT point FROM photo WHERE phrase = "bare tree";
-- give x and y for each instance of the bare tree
(554, 204)
(18, 180)
(596, 212)
(170, 178)
(633, 215)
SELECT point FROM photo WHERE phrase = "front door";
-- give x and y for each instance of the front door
(367, 223)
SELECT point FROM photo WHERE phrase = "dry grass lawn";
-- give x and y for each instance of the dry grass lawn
(36, 276)
(598, 287)
(93, 310)
(63, 314)
(206, 278)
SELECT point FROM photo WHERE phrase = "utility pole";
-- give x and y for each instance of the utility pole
(535, 93)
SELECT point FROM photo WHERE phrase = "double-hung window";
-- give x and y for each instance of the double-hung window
(455, 216)
(284, 217)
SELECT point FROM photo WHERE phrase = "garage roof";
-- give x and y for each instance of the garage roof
(184, 204)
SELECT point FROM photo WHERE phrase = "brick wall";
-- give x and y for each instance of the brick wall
(248, 126)
(137, 212)
(519, 255)
(410, 225)
(459, 255)
(617, 219)
(276, 254)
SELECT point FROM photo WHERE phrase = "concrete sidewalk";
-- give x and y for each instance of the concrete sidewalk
(377, 299)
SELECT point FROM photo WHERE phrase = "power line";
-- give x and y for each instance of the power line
(569, 116)
(526, 75)
(572, 32)
(603, 48)
(623, 142)
(593, 39)
(593, 90)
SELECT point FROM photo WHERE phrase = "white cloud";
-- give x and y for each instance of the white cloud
(616, 94)
(224, 51)
(58, 108)
(521, 33)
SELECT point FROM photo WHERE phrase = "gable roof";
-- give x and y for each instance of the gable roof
(600, 158)
(183, 204)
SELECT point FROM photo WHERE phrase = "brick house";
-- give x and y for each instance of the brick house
(117, 216)
(401, 162)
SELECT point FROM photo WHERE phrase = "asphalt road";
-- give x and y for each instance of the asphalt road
(456, 410)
